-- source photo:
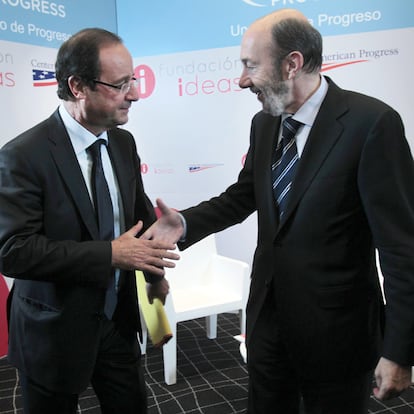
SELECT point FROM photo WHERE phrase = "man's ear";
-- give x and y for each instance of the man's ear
(293, 63)
(76, 86)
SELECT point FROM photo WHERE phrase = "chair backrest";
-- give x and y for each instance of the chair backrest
(194, 263)
(203, 284)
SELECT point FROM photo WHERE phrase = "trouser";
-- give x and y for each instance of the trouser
(274, 384)
(117, 380)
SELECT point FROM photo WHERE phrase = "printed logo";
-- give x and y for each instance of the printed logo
(272, 3)
(144, 168)
(146, 81)
(252, 3)
(163, 169)
(335, 65)
(201, 167)
(43, 78)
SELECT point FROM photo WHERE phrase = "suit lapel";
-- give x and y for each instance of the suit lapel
(68, 166)
(324, 134)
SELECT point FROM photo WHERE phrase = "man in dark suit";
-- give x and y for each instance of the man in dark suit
(316, 326)
(61, 339)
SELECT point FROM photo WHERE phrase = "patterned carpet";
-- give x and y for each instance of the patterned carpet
(211, 378)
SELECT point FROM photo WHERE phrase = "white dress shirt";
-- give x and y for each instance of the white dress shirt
(81, 139)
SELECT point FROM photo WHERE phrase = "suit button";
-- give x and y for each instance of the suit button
(99, 316)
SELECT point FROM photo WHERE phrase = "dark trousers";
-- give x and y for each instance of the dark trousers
(275, 386)
(117, 380)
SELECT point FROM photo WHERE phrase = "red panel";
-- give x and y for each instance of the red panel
(4, 291)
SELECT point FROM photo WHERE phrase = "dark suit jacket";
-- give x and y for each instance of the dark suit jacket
(353, 192)
(49, 243)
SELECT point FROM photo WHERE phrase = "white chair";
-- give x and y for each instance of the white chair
(203, 284)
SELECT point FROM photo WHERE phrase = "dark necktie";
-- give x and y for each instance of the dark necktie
(284, 167)
(104, 214)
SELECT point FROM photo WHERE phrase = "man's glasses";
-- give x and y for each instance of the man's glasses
(123, 88)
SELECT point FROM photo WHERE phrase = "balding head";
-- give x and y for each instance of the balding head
(275, 17)
(289, 30)
(282, 56)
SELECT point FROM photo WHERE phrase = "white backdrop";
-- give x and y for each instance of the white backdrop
(192, 123)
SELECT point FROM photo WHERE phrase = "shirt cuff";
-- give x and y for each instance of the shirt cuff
(184, 223)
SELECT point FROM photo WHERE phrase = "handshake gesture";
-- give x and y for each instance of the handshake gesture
(169, 228)
(153, 251)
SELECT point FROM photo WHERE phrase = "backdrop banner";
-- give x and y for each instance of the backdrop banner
(193, 121)
(30, 34)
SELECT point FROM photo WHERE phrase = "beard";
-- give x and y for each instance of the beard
(275, 98)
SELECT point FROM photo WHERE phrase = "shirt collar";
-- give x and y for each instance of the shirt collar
(309, 110)
(80, 137)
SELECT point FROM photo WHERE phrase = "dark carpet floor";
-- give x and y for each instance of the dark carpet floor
(211, 378)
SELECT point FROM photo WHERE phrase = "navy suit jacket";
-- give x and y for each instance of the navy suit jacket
(353, 193)
(49, 243)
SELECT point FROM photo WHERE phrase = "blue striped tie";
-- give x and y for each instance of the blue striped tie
(286, 159)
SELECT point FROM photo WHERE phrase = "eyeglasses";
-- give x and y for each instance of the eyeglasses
(123, 88)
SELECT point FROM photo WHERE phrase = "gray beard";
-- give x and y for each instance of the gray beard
(276, 99)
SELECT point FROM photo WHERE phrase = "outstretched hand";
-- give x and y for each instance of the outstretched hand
(168, 228)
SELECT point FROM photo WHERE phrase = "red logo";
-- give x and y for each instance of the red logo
(334, 65)
(144, 168)
(146, 81)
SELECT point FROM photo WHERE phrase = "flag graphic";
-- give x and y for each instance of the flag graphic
(43, 78)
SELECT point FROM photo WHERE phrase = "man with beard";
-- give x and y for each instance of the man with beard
(342, 188)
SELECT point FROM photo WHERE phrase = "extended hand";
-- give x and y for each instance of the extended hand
(392, 379)
(130, 253)
(168, 228)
